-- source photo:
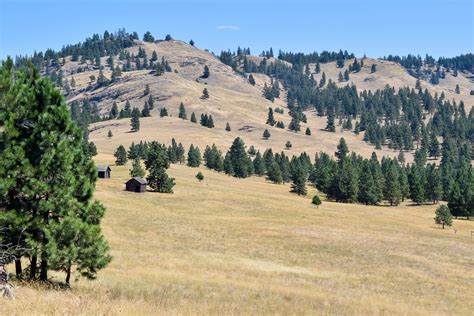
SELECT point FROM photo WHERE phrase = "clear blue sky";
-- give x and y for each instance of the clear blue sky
(377, 28)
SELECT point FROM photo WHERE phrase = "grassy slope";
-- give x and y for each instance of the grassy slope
(250, 247)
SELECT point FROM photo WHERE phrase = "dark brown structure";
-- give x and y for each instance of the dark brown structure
(103, 171)
(136, 184)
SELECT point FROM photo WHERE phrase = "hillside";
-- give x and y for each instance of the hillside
(227, 246)
(232, 99)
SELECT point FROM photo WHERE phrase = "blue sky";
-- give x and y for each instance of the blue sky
(376, 28)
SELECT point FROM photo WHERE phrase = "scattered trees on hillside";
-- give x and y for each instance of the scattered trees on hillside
(182, 112)
(266, 134)
(194, 156)
(135, 120)
(443, 216)
(120, 156)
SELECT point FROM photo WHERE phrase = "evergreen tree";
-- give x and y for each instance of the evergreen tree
(182, 112)
(443, 216)
(392, 190)
(346, 75)
(163, 112)
(120, 156)
(322, 82)
(266, 134)
(434, 149)
(457, 90)
(46, 180)
(194, 156)
(316, 201)
(193, 118)
(342, 149)
(340, 77)
(114, 111)
(205, 94)
(156, 163)
(299, 178)
(147, 90)
(206, 72)
(288, 145)
(317, 68)
(367, 187)
(417, 184)
(434, 190)
(191, 42)
(308, 131)
(330, 127)
(227, 127)
(146, 110)
(135, 120)
(274, 173)
(137, 170)
(259, 165)
(241, 163)
(373, 68)
(109, 134)
(251, 80)
(270, 119)
(200, 176)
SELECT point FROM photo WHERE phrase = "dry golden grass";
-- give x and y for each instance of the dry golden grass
(228, 246)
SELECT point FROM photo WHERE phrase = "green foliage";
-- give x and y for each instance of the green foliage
(266, 134)
(193, 118)
(206, 72)
(238, 160)
(316, 201)
(182, 112)
(200, 176)
(156, 163)
(194, 156)
(227, 127)
(47, 180)
(205, 94)
(135, 120)
(120, 156)
(270, 119)
(137, 170)
(443, 216)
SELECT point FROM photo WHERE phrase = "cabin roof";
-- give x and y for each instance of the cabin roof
(137, 179)
(103, 168)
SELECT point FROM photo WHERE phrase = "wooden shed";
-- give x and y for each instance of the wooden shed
(136, 184)
(103, 171)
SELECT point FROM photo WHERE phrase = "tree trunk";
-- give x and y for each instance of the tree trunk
(44, 269)
(443, 225)
(18, 269)
(34, 262)
(68, 274)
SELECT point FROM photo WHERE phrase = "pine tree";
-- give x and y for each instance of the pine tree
(346, 75)
(342, 149)
(135, 120)
(206, 72)
(434, 148)
(392, 190)
(193, 118)
(330, 127)
(373, 68)
(322, 82)
(114, 111)
(340, 77)
(274, 173)
(182, 112)
(156, 163)
(434, 190)
(417, 184)
(317, 68)
(205, 94)
(266, 134)
(443, 216)
(299, 178)
(270, 119)
(457, 90)
(316, 201)
(308, 131)
(191, 42)
(241, 163)
(227, 127)
(147, 90)
(259, 165)
(137, 170)
(109, 134)
(50, 204)
(120, 156)
(163, 112)
(367, 187)
(146, 110)
(288, 145)
(251, 80)
(194, 156)
(200, 176)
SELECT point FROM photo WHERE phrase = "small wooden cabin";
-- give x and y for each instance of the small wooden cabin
(136, 184)
(103, 171)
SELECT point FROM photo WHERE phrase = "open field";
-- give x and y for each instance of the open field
(228, 246)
